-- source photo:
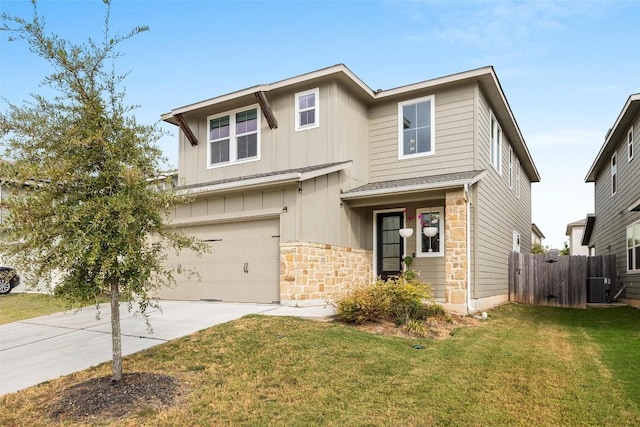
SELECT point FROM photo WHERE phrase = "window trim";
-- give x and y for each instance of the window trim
(633, 248)
(511, 168)
(518, 173)
(419, 234)
(316, 107)
(613, 163)
(499, 143)
(630, 147)
(432, 112)
(233, 137)
(516, 242)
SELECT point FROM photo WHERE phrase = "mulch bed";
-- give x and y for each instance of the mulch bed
(99, 399)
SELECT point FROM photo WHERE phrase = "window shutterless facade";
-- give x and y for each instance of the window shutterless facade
(430, 246)
(495, 149)
(234, 137)
(416, 130)
(307, 109)
(630, 144)
(633, 247)
(614, 174)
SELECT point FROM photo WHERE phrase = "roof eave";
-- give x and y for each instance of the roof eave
(611, 137)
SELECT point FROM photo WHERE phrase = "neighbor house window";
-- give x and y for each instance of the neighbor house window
(633, 248)
(630, 144)
(614, 174)
(234, 137)
(307, 109)
(510, 167)
(431, 242)
(517, 176)
(416, 133)
(495, 149)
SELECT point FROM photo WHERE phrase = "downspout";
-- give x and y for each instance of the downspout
(467, 203)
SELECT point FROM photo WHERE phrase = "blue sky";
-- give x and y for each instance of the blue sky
(566, 67)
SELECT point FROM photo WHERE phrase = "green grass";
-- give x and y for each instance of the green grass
(14, 307)
(524, 366)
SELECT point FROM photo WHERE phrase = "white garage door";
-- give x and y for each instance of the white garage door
(243, 265)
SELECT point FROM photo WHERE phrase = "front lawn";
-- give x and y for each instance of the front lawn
(14, 307)
(524, 366)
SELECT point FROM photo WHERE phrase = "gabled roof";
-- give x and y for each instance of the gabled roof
(579, 223)
(620, 127)
(485, 77)
(413, 185)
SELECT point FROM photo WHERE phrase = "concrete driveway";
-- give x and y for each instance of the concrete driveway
(47, 347)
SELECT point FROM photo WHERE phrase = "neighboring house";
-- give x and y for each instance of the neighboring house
(575, 231)
(536, 235)
(615, 226)
(301, 187)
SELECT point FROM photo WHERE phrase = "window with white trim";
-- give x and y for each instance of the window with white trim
(518, 174)
(633, 247)
(234, 137)
(495, 149)
(416, 130)
(510, 167)
(630, 144)
(614, 174)
(307, 109)
(429, 239)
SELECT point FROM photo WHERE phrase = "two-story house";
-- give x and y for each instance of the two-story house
(615, 226)
(302, 187)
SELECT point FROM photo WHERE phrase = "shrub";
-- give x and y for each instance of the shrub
(395, 299)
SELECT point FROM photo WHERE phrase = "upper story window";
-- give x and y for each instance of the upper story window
(518, 174)
(495, 148)
(633, 247)
(510, 167)
(416, 130)
(430, 230)
(307, 109)
(630, 144)
(234, 137)
(614, 174)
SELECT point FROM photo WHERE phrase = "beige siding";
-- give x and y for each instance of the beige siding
(500, 213)
(612, 215)
(341, 136)
(454, 111)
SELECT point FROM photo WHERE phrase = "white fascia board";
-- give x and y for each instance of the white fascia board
(635, 206)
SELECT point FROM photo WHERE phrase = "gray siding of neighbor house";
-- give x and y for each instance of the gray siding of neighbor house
(341, 136)
(454, 109)
(612, 215)
(500, 212)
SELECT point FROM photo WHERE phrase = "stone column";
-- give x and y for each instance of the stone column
(455, 248)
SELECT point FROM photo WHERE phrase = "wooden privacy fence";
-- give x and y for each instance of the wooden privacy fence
(560, 281)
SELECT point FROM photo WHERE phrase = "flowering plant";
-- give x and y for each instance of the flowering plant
(428, 219)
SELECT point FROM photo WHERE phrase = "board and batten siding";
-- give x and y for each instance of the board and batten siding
(341, 136)
(612, 214)
(454, 112)
(500, 212)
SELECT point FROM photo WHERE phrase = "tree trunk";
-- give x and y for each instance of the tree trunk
(116, 337)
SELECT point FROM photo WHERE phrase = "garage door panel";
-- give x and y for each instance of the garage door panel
(242, 266)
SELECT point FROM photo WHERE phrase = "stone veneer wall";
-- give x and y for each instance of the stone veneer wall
(455, 248)
(313, 272)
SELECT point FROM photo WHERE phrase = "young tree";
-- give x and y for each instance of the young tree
(85, 203)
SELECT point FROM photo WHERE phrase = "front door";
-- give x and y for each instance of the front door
(389, 244)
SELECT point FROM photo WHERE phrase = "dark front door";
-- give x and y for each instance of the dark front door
(389, 258)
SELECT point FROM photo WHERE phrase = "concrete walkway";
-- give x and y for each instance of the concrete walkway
(47, 347)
